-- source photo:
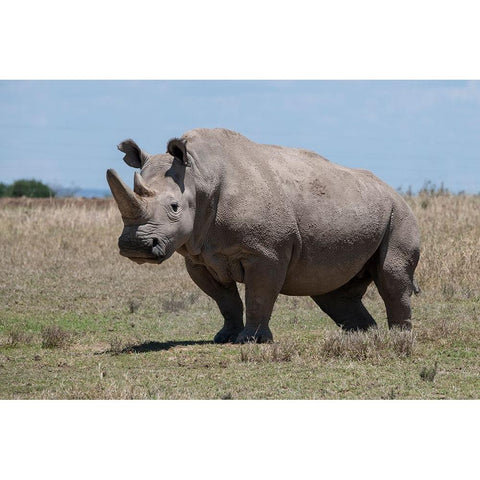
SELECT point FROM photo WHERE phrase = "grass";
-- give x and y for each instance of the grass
(284, 351)
(77, 320)
(428, 374)
(374, 344)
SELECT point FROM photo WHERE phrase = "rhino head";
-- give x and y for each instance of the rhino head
(158, 213)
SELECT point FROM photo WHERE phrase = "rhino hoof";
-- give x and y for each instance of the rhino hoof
(255, 336)
(226, 336)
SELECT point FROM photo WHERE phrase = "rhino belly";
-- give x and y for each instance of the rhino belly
(316, 278)
(326, 263)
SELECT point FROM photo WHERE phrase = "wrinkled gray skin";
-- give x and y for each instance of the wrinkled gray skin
(279, 220)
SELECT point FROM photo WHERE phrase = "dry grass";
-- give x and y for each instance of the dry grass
(54, 336)
(179, 301)
(428, 373)
(284, 351)
(145, 331)
(450, 258)
(15, 337)
(116, 346)
(373, 344)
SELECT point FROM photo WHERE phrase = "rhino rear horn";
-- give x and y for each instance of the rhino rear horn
(135, 156)
(129, 203)
(141, 188)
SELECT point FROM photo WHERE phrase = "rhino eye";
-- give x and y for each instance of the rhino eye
(174, 207)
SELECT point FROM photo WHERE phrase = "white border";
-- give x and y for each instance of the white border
(234, 439)
(213, 39)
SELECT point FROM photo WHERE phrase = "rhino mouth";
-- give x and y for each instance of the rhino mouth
(141, 256)
(156, 253)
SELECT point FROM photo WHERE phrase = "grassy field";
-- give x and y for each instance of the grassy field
(77, 321)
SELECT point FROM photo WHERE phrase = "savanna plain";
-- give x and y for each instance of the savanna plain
(78, 321)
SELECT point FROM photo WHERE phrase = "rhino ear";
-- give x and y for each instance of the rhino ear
(178, 149)
(135, 156)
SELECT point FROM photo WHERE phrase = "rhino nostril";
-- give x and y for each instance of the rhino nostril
(156, 249)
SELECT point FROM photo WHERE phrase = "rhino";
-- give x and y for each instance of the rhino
(279, 220)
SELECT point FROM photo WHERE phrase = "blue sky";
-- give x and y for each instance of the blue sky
(65, 132)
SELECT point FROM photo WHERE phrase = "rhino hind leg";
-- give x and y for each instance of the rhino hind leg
(344, 305)
(395, 284)
(393, 272)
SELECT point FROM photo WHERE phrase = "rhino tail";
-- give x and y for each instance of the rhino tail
(416, 288)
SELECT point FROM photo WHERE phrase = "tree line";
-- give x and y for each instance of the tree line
(26, 188)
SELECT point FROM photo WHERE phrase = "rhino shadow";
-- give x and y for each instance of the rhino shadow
(155, 346)
(160, 346)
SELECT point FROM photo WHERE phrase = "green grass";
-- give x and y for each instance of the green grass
(170, 356)
(124, 331)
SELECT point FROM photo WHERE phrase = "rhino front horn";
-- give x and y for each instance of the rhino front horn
(129, 203)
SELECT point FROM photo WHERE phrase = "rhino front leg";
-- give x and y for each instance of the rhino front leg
(263, 282)
(227, 299)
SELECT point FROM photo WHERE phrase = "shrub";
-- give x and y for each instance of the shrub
(55, 336)
(3, 189)
(117, 346)
(428, 374)
(373, 344)
(429, 189)
(29, 188)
